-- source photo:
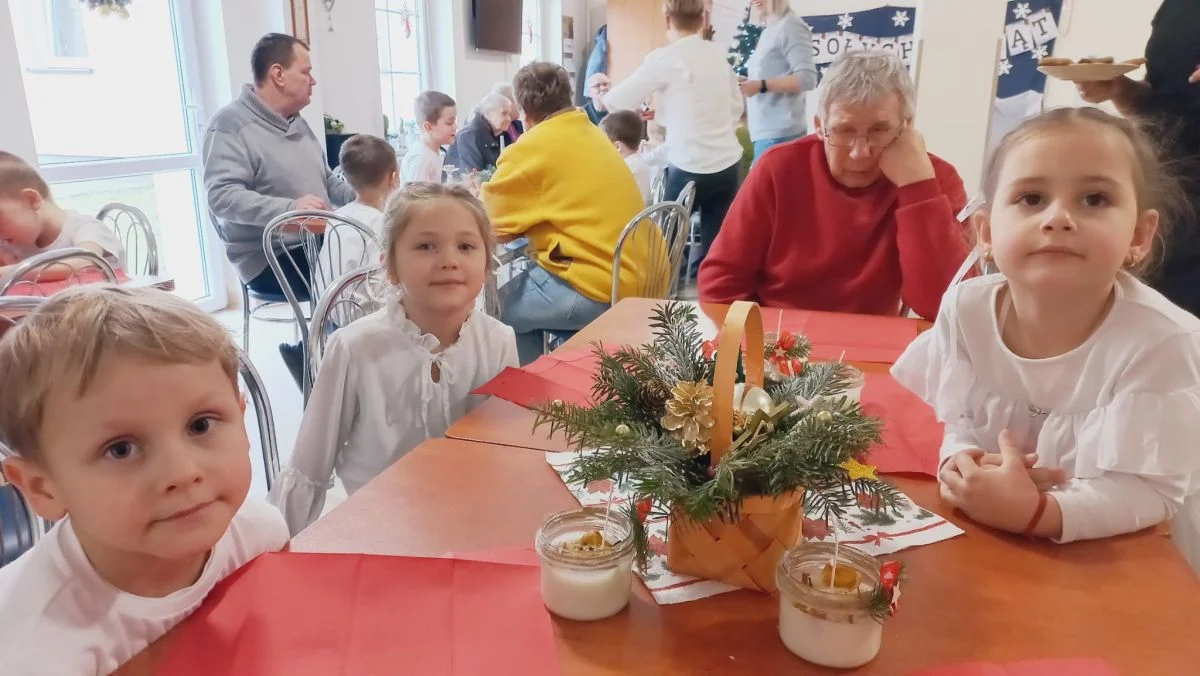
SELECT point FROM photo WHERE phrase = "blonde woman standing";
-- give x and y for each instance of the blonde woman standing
(781, 70)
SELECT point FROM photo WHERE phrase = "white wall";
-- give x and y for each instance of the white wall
(1102, 27)
(349, 74)
(16, 132)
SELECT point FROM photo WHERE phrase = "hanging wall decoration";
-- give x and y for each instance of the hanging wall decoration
(1031, 28)
(108, 7)
(300, 20)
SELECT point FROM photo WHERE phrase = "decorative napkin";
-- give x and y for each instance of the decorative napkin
(290, 614)
(1079, 667)
(875, 534)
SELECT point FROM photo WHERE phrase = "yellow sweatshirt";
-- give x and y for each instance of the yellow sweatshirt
(565, 187)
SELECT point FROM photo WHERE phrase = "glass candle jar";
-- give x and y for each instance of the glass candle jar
(823, 624)
(586, 585)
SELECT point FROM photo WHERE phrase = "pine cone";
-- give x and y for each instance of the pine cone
(652, 398)
(689, 414)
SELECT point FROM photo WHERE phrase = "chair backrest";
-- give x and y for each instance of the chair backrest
(351, 297)
(12, 308)
(658, 187)
(661, 231)
(136, 235)
(66, 267)
(257, 392)
(687, 198)
(331, 245)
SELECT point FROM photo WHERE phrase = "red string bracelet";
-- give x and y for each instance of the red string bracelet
(1037, 514)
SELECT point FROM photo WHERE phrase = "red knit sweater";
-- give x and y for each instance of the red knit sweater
(794, 238)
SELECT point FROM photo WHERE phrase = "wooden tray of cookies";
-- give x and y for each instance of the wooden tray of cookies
(1087, 70)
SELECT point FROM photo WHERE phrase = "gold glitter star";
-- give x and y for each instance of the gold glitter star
(857, 470)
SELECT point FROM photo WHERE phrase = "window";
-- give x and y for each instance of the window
(531, 31)
(54, 35)
(123, 129)
(399, 26)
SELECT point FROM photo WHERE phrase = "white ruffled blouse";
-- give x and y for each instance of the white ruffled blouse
(375, 399)
(1120, 413)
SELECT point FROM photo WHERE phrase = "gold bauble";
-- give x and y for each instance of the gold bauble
(623, 430)
(824, 417)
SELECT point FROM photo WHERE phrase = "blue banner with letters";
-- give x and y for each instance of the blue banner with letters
(886, 27)
(1030, 31)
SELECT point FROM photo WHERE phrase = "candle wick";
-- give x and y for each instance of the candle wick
(607, 512)
(836, 548)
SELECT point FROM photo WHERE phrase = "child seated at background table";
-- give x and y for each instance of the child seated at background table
(369, 164)
(405, 373)
(626, 129)
(1070, 390)
(129, 434)
(439, 124)
(31, 223)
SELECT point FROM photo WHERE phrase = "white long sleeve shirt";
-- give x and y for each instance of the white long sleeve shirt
(375, 400)
(1120, 413)
(58, 617)
(698, 102)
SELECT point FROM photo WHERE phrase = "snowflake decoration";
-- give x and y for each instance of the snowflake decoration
(900, 19)
(1039, 53)
(845, 21)
(1022, 11)
(1005, 67)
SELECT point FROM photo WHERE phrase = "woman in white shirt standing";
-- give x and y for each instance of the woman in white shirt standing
(1069, 389)
(780, 71)
(699, 103)
(405, 373)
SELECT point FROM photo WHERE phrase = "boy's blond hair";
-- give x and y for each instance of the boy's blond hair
(16, 175)
(64, 342)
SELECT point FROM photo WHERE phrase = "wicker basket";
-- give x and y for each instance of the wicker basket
(745, 552)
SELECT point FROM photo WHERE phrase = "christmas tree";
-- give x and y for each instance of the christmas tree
(745, 39)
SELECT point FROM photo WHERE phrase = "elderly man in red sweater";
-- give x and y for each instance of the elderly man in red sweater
(855, 218)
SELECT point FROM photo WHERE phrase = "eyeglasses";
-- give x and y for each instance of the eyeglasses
(878, 138)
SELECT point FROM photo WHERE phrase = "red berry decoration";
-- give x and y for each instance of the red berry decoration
(643, 509)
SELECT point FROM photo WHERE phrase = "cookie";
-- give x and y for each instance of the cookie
(1054, 61)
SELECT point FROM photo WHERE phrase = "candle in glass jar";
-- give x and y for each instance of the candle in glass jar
(586, 575)
(823, 620)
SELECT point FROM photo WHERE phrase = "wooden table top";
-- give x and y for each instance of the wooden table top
(982, 596)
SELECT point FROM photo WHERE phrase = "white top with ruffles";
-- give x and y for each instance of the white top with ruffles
(1120, 413)
(375, 399)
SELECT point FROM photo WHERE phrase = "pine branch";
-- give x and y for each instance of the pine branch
(637, 531)
(818, 379)
(678, 342)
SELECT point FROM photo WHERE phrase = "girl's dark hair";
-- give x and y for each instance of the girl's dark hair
(1154, 185)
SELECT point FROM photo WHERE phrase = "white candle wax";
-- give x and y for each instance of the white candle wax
(840, 645)
(579, 594)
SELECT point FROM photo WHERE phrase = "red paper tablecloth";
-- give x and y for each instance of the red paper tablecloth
(289, 614)
(912, 435)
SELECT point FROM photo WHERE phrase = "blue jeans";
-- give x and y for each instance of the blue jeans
(761, 145)
(536, 301)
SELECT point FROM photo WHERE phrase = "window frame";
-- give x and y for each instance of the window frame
(37, 43)
(532, 11)
(424, 59)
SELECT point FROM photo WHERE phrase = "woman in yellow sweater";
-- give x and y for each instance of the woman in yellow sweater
(566, 188)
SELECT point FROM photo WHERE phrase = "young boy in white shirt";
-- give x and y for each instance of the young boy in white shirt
(626, 130)
(369, 165)
(31, 223)
(128, 432)
(438, 117)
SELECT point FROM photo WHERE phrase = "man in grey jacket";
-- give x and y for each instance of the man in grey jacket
(262, 159)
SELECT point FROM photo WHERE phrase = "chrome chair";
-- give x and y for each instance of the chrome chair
(658, 187)
(257, 391)
(332, 245)
(351, 297)
(70, 265)
(687, 198)
(662, 229)
(136, 235)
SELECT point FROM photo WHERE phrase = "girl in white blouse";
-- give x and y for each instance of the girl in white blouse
(405, 373)
(1070, 390)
